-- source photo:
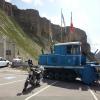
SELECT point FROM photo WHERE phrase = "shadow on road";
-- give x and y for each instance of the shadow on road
(1, 67)
(28, 90)
(95, 87)
(75, 85)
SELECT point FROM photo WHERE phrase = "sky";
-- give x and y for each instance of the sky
(86, 14)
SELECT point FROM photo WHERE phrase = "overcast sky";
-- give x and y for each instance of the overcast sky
(86, 14)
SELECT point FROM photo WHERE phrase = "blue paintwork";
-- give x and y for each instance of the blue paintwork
(63, 57)
(88, 74)
(61, 60)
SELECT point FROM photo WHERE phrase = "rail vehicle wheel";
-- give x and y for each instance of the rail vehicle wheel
(50, 75)
(57, 76)
(63, 76)
(45, 74)
(71, 76)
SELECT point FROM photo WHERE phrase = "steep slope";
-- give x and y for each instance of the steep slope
(11, 29)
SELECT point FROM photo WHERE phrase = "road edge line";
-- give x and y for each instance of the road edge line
(94, 96)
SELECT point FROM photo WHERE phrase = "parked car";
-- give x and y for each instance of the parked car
(4, 62)
(17, 62)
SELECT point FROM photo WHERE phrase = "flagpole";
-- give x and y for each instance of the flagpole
(50, 33)
(71, 28)
(71, 25)
(61, 24)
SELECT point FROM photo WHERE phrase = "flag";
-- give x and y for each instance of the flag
(62, 19)
(62, 22)
(71, 25)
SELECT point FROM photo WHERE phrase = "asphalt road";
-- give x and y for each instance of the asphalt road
(12, 82)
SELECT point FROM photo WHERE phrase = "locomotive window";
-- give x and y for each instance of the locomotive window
(73, 49)
(69, 47)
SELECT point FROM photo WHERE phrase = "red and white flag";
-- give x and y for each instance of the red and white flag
(71, 25)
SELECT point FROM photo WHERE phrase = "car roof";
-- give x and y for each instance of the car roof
(17, 59)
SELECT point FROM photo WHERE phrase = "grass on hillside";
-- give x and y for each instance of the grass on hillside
(10, 28)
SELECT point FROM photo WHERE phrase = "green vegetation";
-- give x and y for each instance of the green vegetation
(10, 28)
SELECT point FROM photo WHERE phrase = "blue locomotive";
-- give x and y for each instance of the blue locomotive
(67, 62)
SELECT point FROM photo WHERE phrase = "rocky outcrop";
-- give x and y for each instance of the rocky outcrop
(7, 7)
(28, 19)
(31, 22)
(34, 25)
(2, 4)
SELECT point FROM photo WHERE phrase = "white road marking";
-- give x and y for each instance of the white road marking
(40, 90)
(6, 75)
(11, 82)
(12, 75)
(1, 74)
(9, 77)
(12, 70)
(94, 96)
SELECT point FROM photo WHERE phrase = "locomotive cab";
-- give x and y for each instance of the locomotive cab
(71, 48)
(64, 54)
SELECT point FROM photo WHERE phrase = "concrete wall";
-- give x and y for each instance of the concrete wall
(7, 48)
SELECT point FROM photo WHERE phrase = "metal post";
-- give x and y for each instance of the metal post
(61, 25)
(4, 43)
(80, 54)
(14, 50)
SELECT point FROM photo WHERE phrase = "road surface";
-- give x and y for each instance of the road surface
(12, 82)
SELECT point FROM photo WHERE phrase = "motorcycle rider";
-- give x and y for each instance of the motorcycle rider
(33, 78)
(30, 63)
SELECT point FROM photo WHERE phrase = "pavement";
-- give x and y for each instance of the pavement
(12, 70)
(12, 82)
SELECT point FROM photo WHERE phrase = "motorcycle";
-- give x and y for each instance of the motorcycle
(33, 79)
